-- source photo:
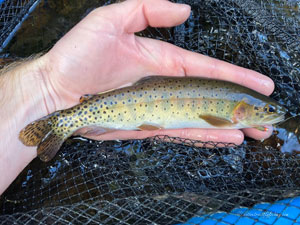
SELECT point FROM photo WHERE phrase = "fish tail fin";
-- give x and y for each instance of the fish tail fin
(35, 132)
(40, 133)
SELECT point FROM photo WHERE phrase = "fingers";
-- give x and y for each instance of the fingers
(135, 15)
(167, 59)
(257, 134)
(227, 136)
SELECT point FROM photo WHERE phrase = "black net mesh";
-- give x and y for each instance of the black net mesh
(12, 14)
(149, 181)
(165, 180)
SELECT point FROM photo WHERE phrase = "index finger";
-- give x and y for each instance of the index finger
(173, 60)
(197, 64)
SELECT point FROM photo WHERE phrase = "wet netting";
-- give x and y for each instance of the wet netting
(12, 14)
(164, 180)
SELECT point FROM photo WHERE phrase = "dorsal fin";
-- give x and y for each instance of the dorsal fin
(149, 78)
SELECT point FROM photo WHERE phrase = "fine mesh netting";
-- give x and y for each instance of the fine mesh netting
(12, 14)
(165, 180)
(149, 181)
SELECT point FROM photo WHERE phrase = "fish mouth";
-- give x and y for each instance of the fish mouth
(274, 119)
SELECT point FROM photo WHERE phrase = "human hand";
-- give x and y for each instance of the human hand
(102, 53)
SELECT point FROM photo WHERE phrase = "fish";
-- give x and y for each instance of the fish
(155, 102)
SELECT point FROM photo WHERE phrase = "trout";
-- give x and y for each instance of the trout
(152, 103)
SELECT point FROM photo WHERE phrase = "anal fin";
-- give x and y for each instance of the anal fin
(49, 146)
(92, 131)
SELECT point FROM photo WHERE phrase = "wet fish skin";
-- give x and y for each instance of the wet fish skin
(153, 103)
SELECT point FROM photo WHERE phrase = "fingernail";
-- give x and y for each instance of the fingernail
(268, 84)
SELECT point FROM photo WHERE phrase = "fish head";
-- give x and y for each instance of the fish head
(269, 113)
(259, 113)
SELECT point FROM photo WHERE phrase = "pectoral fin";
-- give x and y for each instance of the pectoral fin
(217, 121)
(149, 127)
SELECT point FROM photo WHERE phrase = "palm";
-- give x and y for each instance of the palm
(102, 53)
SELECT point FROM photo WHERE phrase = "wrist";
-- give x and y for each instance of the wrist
(25, 91)
(24, 97)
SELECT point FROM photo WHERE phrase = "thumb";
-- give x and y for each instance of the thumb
(135, 15)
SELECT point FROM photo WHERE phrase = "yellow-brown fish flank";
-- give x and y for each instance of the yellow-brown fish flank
(155, 103)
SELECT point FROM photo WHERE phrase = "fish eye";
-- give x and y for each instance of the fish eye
(270, 109)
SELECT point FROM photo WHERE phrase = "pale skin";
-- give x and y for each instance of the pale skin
(102, 53)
